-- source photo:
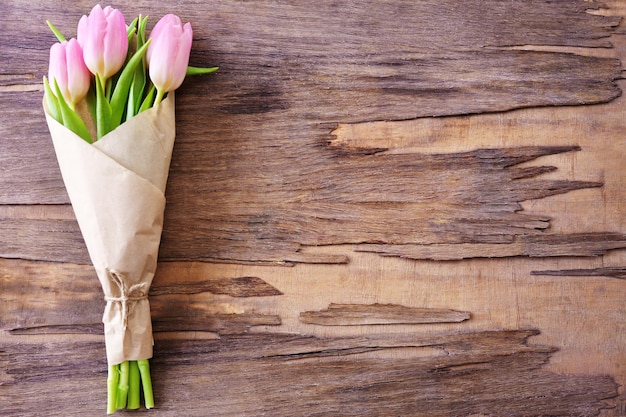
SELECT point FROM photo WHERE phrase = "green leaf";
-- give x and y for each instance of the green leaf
(138, 85)
(141, 30)
(103, 110)
(148, 101)
(56, 32)
(140, 72)
(135, 95)
(130, 31)
(70, 118)
(130, 106)
(199, 71)
(122, 88)
(52, 102)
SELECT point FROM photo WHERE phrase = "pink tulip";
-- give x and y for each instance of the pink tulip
(103, 38)
(68, 68)
(168, 53)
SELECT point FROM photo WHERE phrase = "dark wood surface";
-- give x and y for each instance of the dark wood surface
(374, 208)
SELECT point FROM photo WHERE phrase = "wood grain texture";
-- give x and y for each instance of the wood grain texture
(193, 320)
(314, 143)
(360, 314)
(449, 375)
(274, 111)
(69, 300)
(235, 287)
(467, 206)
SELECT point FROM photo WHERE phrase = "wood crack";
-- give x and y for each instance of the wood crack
(372, 314)
(235, 287)
(609, 272)
(567, 245)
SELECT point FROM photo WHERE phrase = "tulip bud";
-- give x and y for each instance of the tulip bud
(104, 40)
(168, 53)
(68, 68)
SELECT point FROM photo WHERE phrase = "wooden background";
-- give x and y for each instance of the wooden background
(402, 208)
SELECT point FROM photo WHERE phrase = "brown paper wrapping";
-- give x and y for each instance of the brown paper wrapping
(116, 186)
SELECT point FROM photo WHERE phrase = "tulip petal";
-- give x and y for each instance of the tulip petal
(78, 78)
(168, 57)
(166, 21)
(115, 42)
(67, 68)
(57, 67)
(103, 37)
(81, 31)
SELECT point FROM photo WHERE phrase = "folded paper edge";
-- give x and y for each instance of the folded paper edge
(145, 142)
(53, 125)
(136, 343)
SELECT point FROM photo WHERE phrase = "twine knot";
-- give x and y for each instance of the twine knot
(129, 296)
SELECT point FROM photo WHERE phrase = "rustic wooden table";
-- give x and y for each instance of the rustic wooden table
(403, 208)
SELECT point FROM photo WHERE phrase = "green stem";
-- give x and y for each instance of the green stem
(134, 390)
(146, 382)
(112, 382)
(122, 386)
(159, 97)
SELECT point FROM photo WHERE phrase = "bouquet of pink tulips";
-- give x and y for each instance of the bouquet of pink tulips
(109, 105)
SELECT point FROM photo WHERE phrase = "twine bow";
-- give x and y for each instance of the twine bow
(128, 295)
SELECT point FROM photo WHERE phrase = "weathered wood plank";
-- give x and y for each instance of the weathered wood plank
(360, 314)
(279, 83)
(470, 199)
(259, 131)
(39, 298)
(495, 373)
(252, 180)
(192, 320)
(235, 287)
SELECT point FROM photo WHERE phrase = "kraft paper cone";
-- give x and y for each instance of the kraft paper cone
(116, 187)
